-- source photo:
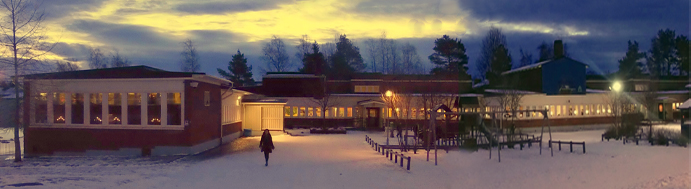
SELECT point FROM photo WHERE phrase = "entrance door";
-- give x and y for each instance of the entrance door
(661, 111)
(272, 118)
(373, 117)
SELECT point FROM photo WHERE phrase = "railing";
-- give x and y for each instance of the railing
(389, 153)
(571, 143)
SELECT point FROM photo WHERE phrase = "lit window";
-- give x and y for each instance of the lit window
(134, 108)
(350, 112)
(310, 112)
(341, 112)
(286, 111)
(558, 110)
(58, 107)
(302, 112)
(175, 109)
(660, 108)
(153, 109)
(295, 111)
(77, 108)
(96, 111)
(114, 108)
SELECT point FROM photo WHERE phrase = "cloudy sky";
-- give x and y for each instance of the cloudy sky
(150, 32)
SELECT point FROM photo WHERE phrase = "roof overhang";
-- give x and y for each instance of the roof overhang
(685, 105)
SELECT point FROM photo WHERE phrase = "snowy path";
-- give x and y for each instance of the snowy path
(346, 161)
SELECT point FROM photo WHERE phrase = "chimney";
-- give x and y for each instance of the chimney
(558, 49)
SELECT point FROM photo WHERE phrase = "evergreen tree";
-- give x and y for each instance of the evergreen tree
(240, 74)
(546, 51)
(683, 53)
(490, 44)
(662, 53)
(500, 62)
(449, 57)
(347, 60)
(629, 65)
(314, 63)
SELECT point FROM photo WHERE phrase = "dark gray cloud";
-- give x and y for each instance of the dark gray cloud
(229, 7)
(122, 35)
(57, 9)
(72, 51)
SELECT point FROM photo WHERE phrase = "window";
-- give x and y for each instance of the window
(341, 112)
(326, 112)
(134, 108)
(41, 108)
(175, 109)
(609, 109)
(413, 113)
(295, 111)
(335, 112)
(302, 112)
(207, 98)
(389, 112)
(318, 112)
(350, 112)
(77, 108)
(641, 87)
(551, 110)
(366, 88)
(59, 108)
(558, 110)
(153, 108)
(96, 110)
(114, 108)
(310, 112)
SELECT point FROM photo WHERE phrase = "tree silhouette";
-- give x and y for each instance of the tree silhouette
(65, 66)
(314, 63)
(682, 43)
(119, 61)
(526, 58)
(347, 59)
(500, 62)
(275, 56)
(449, 57)
(96, 59)
(662, 53)
(630, 65)
(190, 57)
(490, 44)
(239, 73)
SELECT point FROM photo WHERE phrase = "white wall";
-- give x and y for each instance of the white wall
(231, 107)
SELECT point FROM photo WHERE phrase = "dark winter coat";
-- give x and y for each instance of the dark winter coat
(266, 144)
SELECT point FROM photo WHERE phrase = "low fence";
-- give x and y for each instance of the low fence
(389, 153)
(571, 143)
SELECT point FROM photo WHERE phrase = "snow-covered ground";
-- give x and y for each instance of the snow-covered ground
(347, 161)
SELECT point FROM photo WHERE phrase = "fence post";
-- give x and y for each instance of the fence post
(584, 147)
(401, 160)
(571, 146)
(396, 159)
(559, 145)
(408, 163)
(387, 153)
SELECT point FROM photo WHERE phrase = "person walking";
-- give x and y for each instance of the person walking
(266, 145)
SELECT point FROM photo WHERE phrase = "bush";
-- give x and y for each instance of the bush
(611, 133)
(661, 137)
(681, 140)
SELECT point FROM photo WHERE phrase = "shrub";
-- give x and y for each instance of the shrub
(611, 133)
(661, 137)
(681, 140)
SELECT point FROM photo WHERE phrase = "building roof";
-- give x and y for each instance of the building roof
(114, 73)
(539, 64)
(289, 75)
(685, 105)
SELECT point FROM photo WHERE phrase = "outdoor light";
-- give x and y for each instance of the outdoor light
(389, 93)
(616, 86)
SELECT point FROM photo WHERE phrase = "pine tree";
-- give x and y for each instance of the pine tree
(240, 74)
(526, 58)
(314, 63)
(682, 43)
(500, 62)
(662, 53)
(347, 60)
(449, 56)
(629, 65)
(490, 44)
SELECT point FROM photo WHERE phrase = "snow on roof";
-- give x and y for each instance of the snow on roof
(291, 76)
(595, 91)
(502, 91)
(536, 65)
(673, 92)
(685, 105)
(483, 83)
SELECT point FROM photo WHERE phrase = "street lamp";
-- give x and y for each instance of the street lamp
(616, 86)
(388, 93)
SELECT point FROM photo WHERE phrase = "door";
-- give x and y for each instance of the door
(272, 118)
(252, 117)
(661, 111)
(373, 117)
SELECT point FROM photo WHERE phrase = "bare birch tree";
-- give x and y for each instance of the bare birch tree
(410, 60)
(22, 35)
(119, 61)
(324, 99)
(303, 47)
(372, 53)
(190, 57)
(275, 56)
(96, 59)
(66, 66)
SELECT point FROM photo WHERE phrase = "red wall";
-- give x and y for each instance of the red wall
(205, 125)
(232, 128)
(205, 121)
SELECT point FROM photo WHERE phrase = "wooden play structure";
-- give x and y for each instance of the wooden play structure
(469, 130)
